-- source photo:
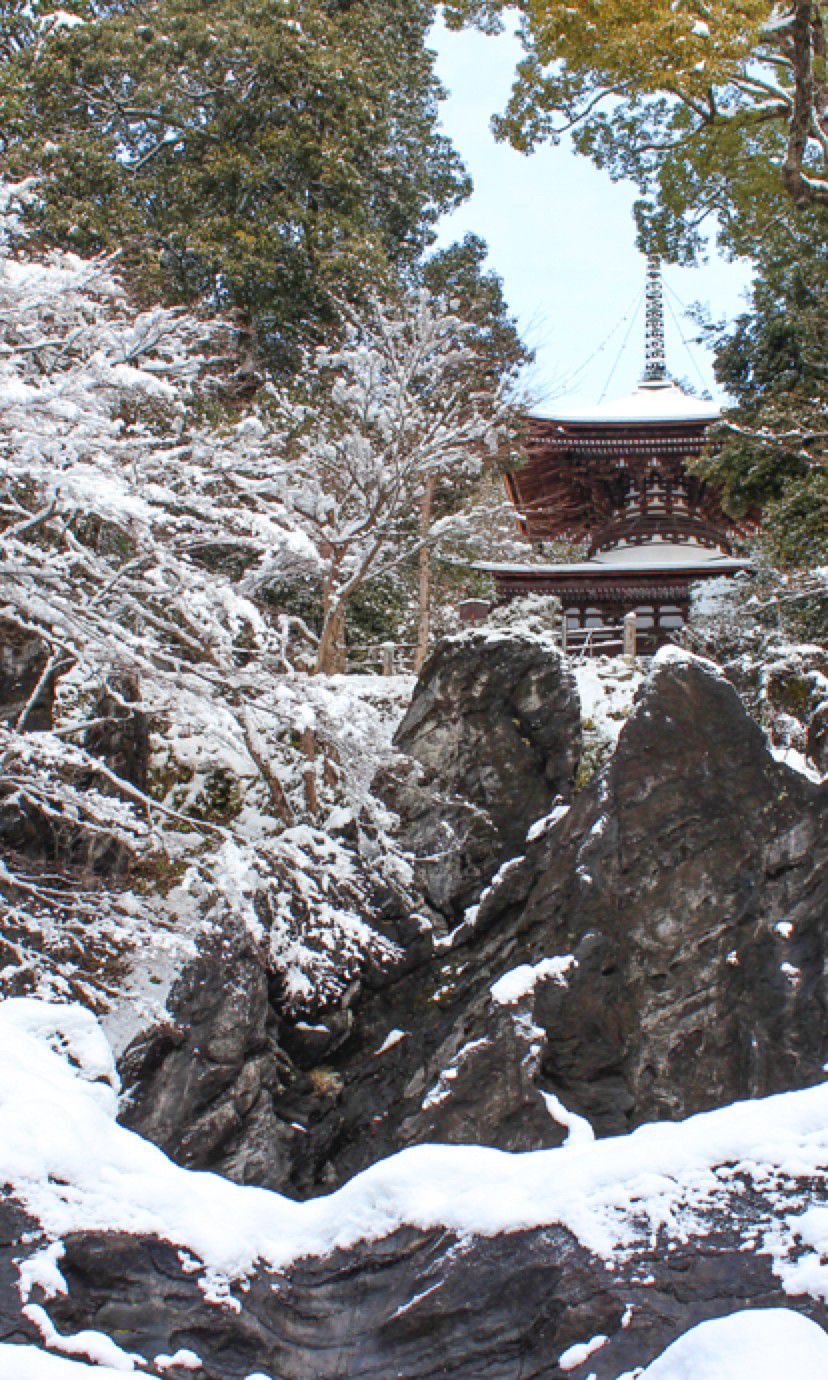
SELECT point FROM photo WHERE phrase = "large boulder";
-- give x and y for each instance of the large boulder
(419, 1304)
(656, 949)
(491, 738)
(203, 1086)
(690, 881)
(659, 949)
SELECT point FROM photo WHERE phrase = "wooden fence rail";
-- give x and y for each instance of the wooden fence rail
(622, 639)
(607, 640)
(391, 658)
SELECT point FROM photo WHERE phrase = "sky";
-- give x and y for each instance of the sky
(562, 238)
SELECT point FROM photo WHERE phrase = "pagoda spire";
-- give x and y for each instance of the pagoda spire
(655, 369)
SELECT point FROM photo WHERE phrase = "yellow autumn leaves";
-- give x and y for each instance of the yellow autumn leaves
(643, 46)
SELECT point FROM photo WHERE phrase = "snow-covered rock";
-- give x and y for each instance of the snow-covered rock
(755, 1344)
(614, 1213)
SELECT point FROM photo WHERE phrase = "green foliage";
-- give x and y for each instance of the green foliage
(771, 452)
(299, 597)
(459, 276)
(714, 110)
(376, 611)
(269, 155)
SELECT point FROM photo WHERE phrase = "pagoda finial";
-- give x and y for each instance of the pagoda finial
(655, 370)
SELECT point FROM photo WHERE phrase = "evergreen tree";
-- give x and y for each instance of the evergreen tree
(268, 155)
(459, 276)
(771, 452)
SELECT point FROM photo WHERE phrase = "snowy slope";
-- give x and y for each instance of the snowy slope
(55, 1068)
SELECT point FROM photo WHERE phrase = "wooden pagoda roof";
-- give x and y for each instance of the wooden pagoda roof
(580, 467)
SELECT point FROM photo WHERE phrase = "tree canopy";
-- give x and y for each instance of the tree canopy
(143, 522)
(772, 448)
(264, 154)
(458, 274)
(711, 106)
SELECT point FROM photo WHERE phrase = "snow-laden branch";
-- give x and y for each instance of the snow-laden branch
(145, 528)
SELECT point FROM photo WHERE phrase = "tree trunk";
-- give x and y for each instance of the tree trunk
(330, 654)
(806, 33)
(424, 576)
(309, 772)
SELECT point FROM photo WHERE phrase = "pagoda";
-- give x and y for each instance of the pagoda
(616, 477)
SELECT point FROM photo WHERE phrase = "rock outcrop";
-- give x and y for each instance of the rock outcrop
(206, 1088)
(686, 887)
(492, 737)
(666, 943)
(418, 1303)
(691, 883)
(654, 949)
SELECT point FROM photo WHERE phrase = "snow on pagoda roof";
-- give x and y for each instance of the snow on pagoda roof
(662, 401)
(652, 557)
(661, 553)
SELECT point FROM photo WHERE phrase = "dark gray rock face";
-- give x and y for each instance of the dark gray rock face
(491, 738)
(416, 1304)
(689, 883)
(206, 1088)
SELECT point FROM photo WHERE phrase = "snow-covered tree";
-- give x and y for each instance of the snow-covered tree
(265, 156)
(139, 514)
(394, 413)
(167, 761)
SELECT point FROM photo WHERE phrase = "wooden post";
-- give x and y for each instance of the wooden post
(387, 649)
(424, 574)
(629, 637)
(564, 629)
(308, 744)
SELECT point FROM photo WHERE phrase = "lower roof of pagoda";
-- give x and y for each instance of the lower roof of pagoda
(650, 558)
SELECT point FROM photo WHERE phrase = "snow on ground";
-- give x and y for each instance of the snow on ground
(607, 688)
(89, 1345)
(576, 1355)
(30, 1363)
(611, 1194)
(579, 1130)
(797, 761)
(755, 1344)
